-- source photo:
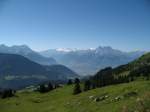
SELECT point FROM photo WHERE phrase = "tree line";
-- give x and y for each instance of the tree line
(107, 77)
(7, 93)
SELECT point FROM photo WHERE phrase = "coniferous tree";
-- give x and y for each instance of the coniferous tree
(77, 81)
(87, 85)
(69, 82)
(7, 93)
(50, 86)
(77, 88)
(42, 88)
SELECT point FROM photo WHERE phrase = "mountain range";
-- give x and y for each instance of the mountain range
(21, 66)
(82, 61)
(25, 51)
(89, 61)
(17, 71)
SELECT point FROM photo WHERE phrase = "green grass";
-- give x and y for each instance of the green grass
(62, 100)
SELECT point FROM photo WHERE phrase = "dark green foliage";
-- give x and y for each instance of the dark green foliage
(87, 85)
(69, 82)
(50, 86)
(77, 88)
(43, 88)
(7, 93)
(142, 71)
(77, 80)
(104, 77)
(121, 69)
(123, 79)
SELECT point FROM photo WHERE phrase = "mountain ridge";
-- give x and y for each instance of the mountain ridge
(27, 52)
(18, 71)
(88, 61)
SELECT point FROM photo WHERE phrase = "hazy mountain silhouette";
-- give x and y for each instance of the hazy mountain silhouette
(28, 53)
(88, 61)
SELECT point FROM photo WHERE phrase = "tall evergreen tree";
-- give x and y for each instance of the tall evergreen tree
(77, 80)
(87, 85)
(50, 86)
(77, 89)
(69, 82)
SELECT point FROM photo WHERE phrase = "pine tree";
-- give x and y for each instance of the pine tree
(87, 85)
(42, 88)
(50, 86)
(77, 89)
(69, 82)
(77, 81)
(7, 93)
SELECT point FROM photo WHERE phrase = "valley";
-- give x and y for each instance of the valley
(74, 55)
(121, 89)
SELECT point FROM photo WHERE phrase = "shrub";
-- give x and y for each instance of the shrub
(7, 93)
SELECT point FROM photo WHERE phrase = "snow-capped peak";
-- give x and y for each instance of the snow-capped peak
(73, 49)
(65, 49)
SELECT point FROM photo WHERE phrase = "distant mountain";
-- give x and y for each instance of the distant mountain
(28, 53)
(17, 71)
(89, 61)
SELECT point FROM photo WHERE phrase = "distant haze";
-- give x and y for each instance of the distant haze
(82, 61)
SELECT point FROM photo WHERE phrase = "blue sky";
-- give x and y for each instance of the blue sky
(46, 24)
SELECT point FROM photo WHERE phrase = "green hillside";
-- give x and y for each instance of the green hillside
(140, 65)
(116, 98)
(131, 96)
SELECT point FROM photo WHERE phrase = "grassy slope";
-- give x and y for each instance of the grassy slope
(62, 100)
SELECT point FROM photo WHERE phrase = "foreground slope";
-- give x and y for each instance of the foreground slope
(62, 100)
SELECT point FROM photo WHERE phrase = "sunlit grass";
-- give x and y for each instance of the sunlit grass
(62, 100)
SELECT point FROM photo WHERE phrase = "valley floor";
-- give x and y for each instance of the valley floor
(117, 97)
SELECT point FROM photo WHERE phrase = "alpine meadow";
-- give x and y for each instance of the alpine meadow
(74, 55)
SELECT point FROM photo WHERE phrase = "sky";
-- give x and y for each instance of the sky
(48, 24)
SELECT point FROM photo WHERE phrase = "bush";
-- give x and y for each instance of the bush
(7, 93)
(43, 88)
